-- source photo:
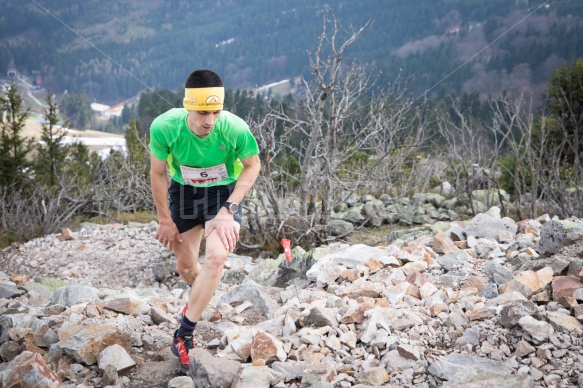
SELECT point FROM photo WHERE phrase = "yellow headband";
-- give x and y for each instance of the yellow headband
(204, 98)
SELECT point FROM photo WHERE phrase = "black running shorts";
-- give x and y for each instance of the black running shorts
(192, 206)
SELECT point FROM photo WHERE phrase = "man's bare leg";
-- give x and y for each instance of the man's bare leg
(187, 253)
(208, 278)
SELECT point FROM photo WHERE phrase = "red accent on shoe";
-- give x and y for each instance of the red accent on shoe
(180, 347)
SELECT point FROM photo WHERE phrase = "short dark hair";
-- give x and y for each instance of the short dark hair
(203, 79)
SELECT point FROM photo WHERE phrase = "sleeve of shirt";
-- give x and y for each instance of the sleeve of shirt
(246, 143)
(158, 145)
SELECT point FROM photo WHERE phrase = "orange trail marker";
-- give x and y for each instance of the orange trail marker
(287, 249)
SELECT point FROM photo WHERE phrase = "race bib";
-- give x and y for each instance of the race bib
(204, 176)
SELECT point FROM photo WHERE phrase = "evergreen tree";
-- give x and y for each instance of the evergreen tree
(566, 105)
(14, 148)
(51, 151)
(77, 109)
(137, 153)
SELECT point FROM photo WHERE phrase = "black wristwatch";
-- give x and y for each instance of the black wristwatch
(232, 207)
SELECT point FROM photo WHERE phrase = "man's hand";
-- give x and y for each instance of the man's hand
(227, 229)
(167, 234)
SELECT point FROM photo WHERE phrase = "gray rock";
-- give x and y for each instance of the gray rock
(319, 317)
(117, 356)
(233, 276)
(250, 291)
(453, 279)
(539, 331)
(110, 376)
(395, 362)
(471, 336)
(488, 225)
(340, 227)
(210, 371)
(491, 291)
(161, 272)
(258, 377)
(355, 215)
(409, 234)
(497, 273)
(456, 232)
(291, 369)
(481, 380)
(181, 382)
(458, 367)
(487, 248)
(386, 199)
(511, 313)
(453, 261)
(557, 234)
(558, 264)
(406, 214)
(72, 295)
(8, 291)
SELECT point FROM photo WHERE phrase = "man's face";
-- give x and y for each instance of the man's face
(202, 122)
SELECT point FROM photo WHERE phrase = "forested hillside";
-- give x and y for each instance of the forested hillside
(113, 50)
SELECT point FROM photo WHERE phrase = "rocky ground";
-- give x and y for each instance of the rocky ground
(486, 302)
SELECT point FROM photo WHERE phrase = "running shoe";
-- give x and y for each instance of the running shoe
(180, 347)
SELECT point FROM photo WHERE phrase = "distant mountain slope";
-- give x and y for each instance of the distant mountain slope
(112, 50)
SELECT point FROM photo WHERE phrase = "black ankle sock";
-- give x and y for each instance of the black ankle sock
(186, 327)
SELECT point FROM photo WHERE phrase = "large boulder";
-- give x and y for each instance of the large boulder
(489, 225)
(557, 234)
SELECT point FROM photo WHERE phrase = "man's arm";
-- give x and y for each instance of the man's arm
(167, 231)
(224, 223)
(248, 176)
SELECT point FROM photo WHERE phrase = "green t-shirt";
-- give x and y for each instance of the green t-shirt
(212, 161)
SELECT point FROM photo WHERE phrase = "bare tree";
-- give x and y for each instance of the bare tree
(528, 147)
(472, 153)
(346, 135)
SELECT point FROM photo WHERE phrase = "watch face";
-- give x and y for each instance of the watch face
(233, 208)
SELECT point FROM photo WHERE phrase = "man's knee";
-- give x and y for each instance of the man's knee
(215, 260)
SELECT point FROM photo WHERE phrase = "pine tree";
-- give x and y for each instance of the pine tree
(14, 148)
(136, 152)
(51, 151)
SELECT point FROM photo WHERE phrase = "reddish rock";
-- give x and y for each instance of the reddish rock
(442, 243)
(536, 281)
(381, 302)
(19, 279)
(543, 219)
(418, 279)
(461, 244)
(477, 282)
(216, 317)
(66, 235)
(366, 300)
(436, 308)
(413, 291)
(565, 286)
(350, 274)
(29, 370)
(355, 290)
(86, 344)
(373, 265)
(355, 316)
(504, 236)
(244, 351)
(129, 306)
(263, 348)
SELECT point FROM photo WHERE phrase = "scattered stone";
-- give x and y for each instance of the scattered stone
(438, 306)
